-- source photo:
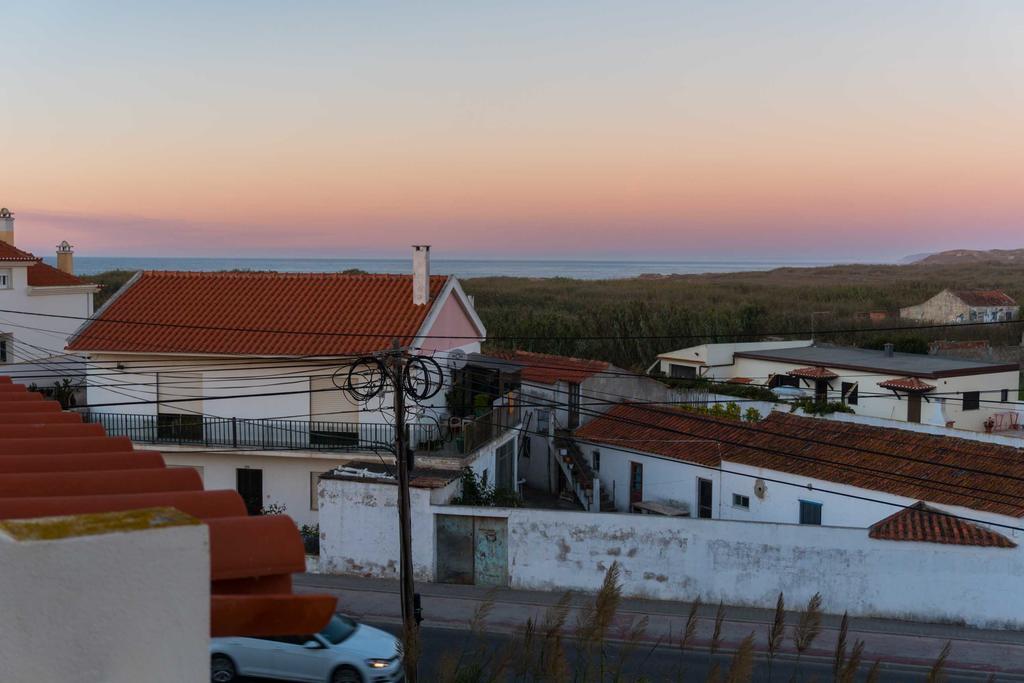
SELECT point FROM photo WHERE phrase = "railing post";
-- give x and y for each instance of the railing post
(234, 432)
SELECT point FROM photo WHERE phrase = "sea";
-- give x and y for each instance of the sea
(463, 268)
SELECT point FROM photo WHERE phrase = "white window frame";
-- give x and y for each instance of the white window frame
(6, 279)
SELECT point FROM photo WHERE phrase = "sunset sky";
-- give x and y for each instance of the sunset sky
(676, 130)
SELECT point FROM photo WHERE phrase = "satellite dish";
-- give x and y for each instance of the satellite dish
(760, 488)
(457, 359)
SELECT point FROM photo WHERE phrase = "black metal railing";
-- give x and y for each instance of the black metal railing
(261, 433)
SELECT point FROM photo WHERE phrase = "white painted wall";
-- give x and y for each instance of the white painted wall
(749, 564)
(115, 607)
(286, 475)
(40, 337)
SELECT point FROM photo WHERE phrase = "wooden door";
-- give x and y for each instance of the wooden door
(914, 408)
(704, 498)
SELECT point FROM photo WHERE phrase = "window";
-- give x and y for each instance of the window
(739, 501)
(314, 500)
(783, 381)
(705, 504)
(5, 349)
(682, 371)
(595, 461)
(5, 279)
(850, 393)
(810, 512)
(543, 417)
(1004, 395)
(972, 400)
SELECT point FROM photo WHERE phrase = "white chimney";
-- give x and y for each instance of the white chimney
(6, 227)
(420, 274)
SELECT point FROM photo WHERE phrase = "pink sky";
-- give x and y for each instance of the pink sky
(682, 132)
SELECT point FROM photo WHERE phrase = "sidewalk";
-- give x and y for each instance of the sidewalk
(908, 643)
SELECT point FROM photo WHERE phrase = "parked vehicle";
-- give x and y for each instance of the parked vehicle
(344, 652)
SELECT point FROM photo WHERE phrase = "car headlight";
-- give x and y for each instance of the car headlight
(378, 663)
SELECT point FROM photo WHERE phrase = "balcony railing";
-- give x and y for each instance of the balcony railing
(264, 434)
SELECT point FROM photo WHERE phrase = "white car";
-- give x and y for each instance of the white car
(344, 652)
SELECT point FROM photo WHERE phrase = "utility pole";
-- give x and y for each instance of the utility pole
(410, 628)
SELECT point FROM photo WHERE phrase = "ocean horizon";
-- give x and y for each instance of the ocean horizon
(464, 268)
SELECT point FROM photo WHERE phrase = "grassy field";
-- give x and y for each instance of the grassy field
(558, 315)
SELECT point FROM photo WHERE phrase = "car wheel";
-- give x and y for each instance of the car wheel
(222, 669)
(346, 674)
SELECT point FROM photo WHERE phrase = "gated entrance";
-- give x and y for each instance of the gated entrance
(472, 550)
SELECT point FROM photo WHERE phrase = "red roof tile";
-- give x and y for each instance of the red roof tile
(812, 373)
(984, 297)
(916, 465)
(260, 314)
(739, 380)
(66, 467)
(912, 384)
(925, 524)
(45, 275)
(544, 368)
(9, 252)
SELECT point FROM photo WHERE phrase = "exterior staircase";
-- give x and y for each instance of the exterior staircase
(584, 483)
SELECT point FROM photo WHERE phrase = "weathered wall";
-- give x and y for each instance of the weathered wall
(116, 607)
(749, 564)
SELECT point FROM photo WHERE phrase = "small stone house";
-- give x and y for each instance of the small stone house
(965, 306)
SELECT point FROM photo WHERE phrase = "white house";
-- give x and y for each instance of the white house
(791, 469)
(249, 365)
(878, 383)
(40, 307)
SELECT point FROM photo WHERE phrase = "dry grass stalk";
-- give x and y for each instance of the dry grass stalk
(776, 632)
(594, 623)
(741, 669)
(849, 671)
(935, 675)
(716, 636)
(839, 657)
(807, 629)
(689, 633)
(874, 673)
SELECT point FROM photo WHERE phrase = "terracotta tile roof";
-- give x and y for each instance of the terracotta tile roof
(51, 467)
(783, 442)
(813, 373)
(9, 252)
(925, 524)
(260, 314)
(45, 275)
(984, 297)
(739, 380)
(545, 368)
(912, 384)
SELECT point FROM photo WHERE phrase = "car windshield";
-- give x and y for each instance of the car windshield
(339, 629)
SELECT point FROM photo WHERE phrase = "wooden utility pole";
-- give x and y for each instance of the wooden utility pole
(410, 628)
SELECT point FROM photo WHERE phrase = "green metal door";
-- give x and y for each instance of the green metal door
(490, 557)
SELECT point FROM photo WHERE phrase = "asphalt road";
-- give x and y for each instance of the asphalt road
(660, 664)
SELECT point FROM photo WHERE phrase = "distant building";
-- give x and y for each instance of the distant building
(878, 383)
(42, 306)
(963, 306)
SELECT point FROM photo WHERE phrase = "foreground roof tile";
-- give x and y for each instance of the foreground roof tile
(54, 467)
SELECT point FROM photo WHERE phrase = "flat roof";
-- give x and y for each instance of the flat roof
(906, 364)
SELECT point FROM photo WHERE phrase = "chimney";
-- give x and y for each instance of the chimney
(420, 274)
(66, 258)
(7, 226)
(888, 350)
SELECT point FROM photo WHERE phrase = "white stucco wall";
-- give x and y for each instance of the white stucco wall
(35, 336)
(115, 607)
(286, 475)
(749, 564)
